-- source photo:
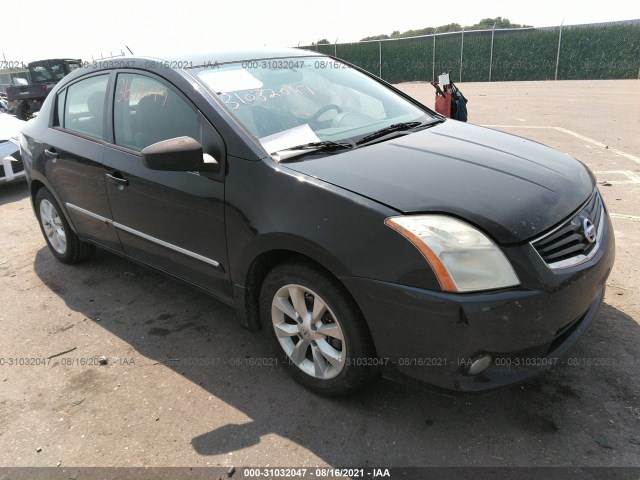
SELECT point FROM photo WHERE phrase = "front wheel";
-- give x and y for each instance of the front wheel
(317, 330)
(62, 241)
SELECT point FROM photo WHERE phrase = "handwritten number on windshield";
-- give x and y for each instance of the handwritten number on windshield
(235, 100)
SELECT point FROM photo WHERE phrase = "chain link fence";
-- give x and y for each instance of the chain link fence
(589, 52)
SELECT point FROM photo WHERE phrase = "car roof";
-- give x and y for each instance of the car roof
(227, 56)
(186, 61)
(179, 62)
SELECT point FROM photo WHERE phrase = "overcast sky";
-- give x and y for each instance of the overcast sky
(82, 29)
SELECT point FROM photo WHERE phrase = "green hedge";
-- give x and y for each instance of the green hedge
(448, 55)
(365, 55)
(327, 49)
(596, 51)
(477, 53)
(525, 54)
(407, 59)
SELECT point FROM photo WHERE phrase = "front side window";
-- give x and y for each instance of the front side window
(146, 111)
(84, 106)
(286, 102)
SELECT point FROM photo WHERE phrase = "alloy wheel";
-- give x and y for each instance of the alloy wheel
(53, 228)
(308, 331)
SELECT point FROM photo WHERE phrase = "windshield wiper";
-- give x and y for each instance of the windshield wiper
(305, 148)
(396, 127)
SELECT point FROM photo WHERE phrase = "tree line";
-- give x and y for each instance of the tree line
(484, 24)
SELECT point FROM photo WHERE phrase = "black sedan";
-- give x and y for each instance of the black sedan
(361, 231)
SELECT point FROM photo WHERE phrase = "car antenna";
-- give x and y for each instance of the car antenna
(129, 50)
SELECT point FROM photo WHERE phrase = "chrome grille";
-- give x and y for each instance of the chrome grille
(17, 166)
(568, 245)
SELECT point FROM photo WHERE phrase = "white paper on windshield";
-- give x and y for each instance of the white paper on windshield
(225, 81)
(289, 138)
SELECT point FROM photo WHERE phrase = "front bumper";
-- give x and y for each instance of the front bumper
(11, 167)
(431, 336)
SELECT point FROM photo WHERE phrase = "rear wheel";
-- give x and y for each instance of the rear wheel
(62, 241)
(316, 329)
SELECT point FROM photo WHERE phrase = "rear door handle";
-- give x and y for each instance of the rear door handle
(117, 178)
(51, 153)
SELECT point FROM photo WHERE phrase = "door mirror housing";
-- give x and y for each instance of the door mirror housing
(180, 154)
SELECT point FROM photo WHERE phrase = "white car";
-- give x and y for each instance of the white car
(12, 167)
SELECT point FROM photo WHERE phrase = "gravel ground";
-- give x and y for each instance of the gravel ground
(155, 404)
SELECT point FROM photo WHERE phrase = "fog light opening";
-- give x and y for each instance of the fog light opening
(479, 364)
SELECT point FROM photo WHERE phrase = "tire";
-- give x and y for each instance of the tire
(324, 343)
(22, 111)
(61, 239)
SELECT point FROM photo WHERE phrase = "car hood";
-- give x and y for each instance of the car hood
(511, 187)
(9, 126)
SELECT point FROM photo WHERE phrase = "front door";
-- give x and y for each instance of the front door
(173, 221)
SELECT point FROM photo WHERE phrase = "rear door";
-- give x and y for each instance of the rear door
(74, 151)
(173, 221)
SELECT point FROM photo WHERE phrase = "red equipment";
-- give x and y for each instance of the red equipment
(449, 101)
(443, 99)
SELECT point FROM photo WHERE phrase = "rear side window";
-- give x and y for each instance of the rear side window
(84, 106)
(147, 111)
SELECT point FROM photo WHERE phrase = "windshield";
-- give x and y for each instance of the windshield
(293, 101)
(47, 73)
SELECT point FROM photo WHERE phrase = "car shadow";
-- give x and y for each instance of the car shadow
(558, 419)
(13, 192)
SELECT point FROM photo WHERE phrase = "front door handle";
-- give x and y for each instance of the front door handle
(51, 153)
(117, 178)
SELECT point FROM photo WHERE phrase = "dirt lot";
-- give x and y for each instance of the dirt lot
(154, 405)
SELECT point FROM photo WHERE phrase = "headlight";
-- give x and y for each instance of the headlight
(463, 258)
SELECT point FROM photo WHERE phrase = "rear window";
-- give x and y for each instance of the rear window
(84, 106)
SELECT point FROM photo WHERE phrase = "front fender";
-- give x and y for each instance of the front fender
(269, 206)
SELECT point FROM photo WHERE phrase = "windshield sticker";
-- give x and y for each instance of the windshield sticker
(234, 100)
(299, 135)
(230, 80)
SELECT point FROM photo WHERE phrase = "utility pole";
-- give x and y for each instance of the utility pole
(461, 52)
(559, 43)
(493, 31)
(434, 55)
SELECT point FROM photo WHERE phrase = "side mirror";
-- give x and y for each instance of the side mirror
(181, 154)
